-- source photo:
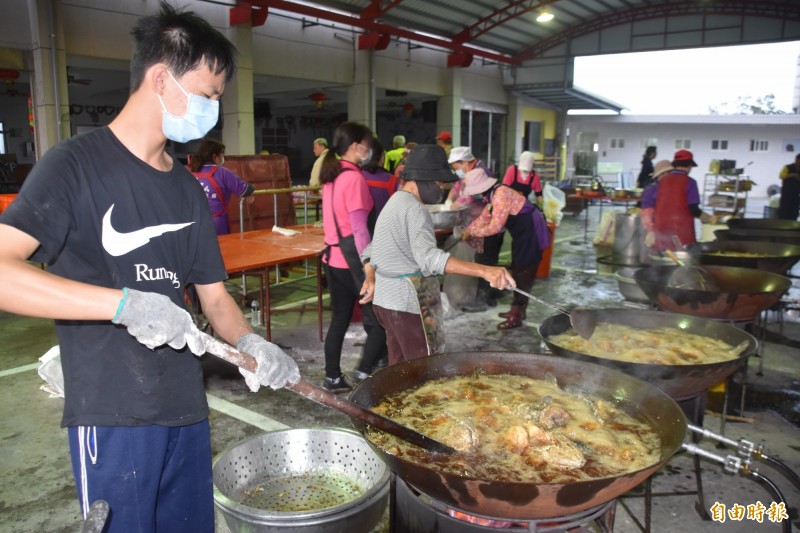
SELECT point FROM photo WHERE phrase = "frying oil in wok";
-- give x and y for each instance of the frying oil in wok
(517, 429)
(660, 346)
(304, 492)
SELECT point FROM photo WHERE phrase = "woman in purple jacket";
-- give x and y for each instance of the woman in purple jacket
(218, 182)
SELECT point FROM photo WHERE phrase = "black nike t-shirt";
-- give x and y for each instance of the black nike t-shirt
(102, 216)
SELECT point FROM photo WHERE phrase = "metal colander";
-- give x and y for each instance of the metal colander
(301, 478)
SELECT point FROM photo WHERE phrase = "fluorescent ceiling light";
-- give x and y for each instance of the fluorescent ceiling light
(545, 16)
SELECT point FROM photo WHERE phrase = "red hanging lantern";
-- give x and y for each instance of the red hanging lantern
(9, 75)
(408, 109)
(318, 97)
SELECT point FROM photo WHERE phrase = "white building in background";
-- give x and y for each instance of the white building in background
(760, 144)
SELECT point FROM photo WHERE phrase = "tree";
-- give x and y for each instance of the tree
(748, 105)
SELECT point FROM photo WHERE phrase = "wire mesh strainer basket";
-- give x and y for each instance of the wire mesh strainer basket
(314, 479)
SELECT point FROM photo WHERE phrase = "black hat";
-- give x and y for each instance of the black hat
(427, 162)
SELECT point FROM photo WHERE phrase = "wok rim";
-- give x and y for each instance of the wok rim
(704, 248)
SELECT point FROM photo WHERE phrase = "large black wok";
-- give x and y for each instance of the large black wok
(760, 235)
(764, 223)
(680, 382)
(773, 256)
(515, 499)
(744, 292)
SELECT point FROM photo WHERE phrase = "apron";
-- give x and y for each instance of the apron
(431, 313)
(522, 187)
(210, 177)
(672, 216)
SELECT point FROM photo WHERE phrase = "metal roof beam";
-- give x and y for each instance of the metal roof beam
(370, 25)
(378, 8)
(785, 10)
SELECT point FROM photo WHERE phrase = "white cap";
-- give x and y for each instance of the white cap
(460, 153)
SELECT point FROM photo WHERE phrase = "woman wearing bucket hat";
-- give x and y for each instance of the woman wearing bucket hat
(509, 209)
(670, 206)
(403, 263)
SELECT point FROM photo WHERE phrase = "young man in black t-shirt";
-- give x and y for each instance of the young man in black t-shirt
(123, 228)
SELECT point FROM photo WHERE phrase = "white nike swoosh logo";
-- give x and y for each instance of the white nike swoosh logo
(117, 244)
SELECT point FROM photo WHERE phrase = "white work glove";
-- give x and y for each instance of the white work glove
(155, 320)
(650, 239)
(275, 369)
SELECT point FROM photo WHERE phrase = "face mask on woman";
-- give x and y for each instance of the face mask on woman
(366, 159)
(429, 192)
(459, 173)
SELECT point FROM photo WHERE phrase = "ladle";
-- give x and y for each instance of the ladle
(327, 398)
(583, 320)
(690, 278)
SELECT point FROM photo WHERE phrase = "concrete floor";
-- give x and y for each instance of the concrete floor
(38, 492)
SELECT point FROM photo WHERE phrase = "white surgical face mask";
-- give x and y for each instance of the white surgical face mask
(367, 158)
(459, 173)
(201, 115)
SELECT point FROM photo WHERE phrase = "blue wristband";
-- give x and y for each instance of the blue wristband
(121, 305)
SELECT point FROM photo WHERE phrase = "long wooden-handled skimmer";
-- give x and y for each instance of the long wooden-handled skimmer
(329, 399)
(583, 320)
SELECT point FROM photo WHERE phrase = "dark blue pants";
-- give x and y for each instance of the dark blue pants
(154, 478)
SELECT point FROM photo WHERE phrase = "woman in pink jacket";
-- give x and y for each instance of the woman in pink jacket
(346, 204)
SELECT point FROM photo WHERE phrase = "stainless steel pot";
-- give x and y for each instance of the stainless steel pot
(628, 287)
(444, 217)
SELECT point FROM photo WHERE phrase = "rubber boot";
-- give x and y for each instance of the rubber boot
(514, 319)
(507, 314)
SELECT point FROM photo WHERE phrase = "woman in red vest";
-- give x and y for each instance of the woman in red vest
(670, 206)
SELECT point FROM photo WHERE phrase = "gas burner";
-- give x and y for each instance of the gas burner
(413, 511)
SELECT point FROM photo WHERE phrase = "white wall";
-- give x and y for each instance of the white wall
(778, 130)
